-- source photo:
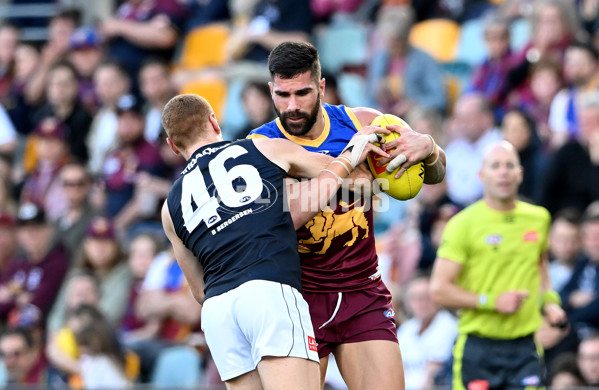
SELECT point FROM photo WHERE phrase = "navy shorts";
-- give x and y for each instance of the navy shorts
(502, 364)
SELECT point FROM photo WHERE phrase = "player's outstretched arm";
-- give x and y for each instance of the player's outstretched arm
(409, 149)
(307, 199)
(189, 264)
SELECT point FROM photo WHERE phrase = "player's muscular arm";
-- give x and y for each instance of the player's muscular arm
(305, 199)
(189, 264)
(294, 159)
(410, 148)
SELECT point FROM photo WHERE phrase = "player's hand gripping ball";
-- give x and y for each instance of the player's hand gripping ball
(410, 183)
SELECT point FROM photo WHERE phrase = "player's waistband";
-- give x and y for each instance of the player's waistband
(504, 342)
(335, 286)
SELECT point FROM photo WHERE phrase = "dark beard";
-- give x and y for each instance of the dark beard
(300, 129)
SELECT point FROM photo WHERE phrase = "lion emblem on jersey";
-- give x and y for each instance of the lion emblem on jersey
(327, 226)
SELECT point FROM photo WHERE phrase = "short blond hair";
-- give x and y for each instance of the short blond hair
(184, 119)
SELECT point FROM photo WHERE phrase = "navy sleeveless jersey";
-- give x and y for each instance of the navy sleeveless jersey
(228, 209)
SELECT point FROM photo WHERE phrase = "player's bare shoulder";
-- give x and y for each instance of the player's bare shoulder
(365, 115)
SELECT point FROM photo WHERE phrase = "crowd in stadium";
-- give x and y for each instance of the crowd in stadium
(87, 282)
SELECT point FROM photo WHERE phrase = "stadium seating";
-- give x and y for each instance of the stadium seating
(213, 89)
(471, 43)
(438, 37)
(204, 47)
(344, 42)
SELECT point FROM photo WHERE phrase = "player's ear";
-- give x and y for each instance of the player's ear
(172, 146)
(271, 87)
(214, 123)
(321, 85)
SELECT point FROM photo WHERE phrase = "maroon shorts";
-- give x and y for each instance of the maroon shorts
(360, 316)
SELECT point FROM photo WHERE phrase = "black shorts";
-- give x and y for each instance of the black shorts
(503, 364)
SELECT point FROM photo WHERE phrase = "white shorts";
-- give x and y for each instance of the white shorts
(257, 319)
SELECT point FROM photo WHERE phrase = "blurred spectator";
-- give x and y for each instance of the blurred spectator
(564, 373)
(141, 334)
(8, 134)
(554, 26)
(9, 38)
(63, 103)
(427, 121)
(474, 131)
(71, 224)
(141, 29)
(174, 164)
(67, 354)
(458, 10)
(580, 296)
(203, 12)
(102, 359)
(27, 58)
(518, 129)
(564, 247)
(157, 90)
(132, 156)
(545, 82)
(81, 287)
(165, 295)
(581, 74)
(588, 360)
(8, 241)
(43, 186)
(257, 104)
(434, 207)
(270, 23)
(323, 10)
(111, 82)
(401, 76)
(86, 54)
(572, 175)
(102, 256)
(332, 94)
(32, 281)
(60, 28)
(490, 78)
(588, 13)
(23, 358)
(426, 340)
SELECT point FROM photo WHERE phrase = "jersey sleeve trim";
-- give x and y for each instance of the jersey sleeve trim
(256, 136)
(353, 118)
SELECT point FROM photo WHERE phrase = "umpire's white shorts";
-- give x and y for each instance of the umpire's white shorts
(257, 319)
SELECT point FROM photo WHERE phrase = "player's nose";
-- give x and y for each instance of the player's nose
(292, 104)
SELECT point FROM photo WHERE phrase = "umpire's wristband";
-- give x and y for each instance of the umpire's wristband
(486, 301)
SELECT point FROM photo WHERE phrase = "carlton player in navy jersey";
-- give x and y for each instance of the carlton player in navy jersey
(349, 304)
(234, 240)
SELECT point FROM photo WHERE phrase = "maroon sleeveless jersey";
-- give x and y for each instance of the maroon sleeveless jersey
(337, 248)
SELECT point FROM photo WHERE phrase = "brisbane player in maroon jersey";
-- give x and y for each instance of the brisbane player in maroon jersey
(349, 304)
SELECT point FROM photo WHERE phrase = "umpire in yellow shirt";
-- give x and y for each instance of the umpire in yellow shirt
(491, 264)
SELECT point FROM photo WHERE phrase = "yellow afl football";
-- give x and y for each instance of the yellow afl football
(410, 183)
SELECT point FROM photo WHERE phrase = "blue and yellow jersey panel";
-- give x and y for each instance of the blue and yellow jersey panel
(340, 118)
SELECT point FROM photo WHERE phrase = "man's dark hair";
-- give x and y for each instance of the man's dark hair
(24, 333)
(290, 59)
(115, 64)
(585, 46)
(153, 60)
(72, 14)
